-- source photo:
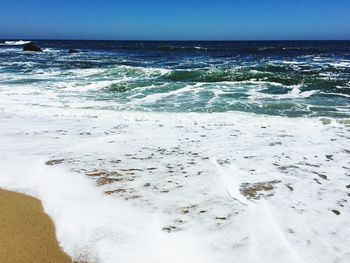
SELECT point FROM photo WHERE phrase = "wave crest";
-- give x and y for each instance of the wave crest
(15, 43)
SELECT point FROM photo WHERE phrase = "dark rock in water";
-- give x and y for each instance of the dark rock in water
(71, 51)
(31, 47)
(336, 212)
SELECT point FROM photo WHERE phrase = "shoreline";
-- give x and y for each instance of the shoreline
(27, 234)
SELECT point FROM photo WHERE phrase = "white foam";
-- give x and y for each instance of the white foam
(290, 226)
(340, 64)
(292, 62)
(93, 227)
(294, 93)
(152, 98)
(15, 43)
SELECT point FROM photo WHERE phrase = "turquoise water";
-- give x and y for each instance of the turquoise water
(276, 78)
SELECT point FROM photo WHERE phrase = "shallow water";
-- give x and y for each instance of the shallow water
(181, 152)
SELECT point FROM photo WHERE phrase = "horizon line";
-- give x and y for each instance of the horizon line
(171, 40)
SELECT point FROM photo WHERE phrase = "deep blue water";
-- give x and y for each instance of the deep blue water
(288, 78)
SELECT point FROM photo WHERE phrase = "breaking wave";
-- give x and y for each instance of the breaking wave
(15, 43)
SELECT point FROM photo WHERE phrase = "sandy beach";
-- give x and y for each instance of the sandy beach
(27, 234)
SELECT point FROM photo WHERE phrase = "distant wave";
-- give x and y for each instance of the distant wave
(14, 43)
(231, 47)
(218, 48)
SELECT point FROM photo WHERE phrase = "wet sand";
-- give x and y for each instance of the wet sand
(27, 234)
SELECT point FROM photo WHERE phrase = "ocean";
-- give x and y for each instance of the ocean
(290, 79)
(172, 151)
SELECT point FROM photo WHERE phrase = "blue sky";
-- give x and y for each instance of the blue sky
(175, 20)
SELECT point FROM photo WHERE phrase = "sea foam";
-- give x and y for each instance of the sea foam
(161, 197)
